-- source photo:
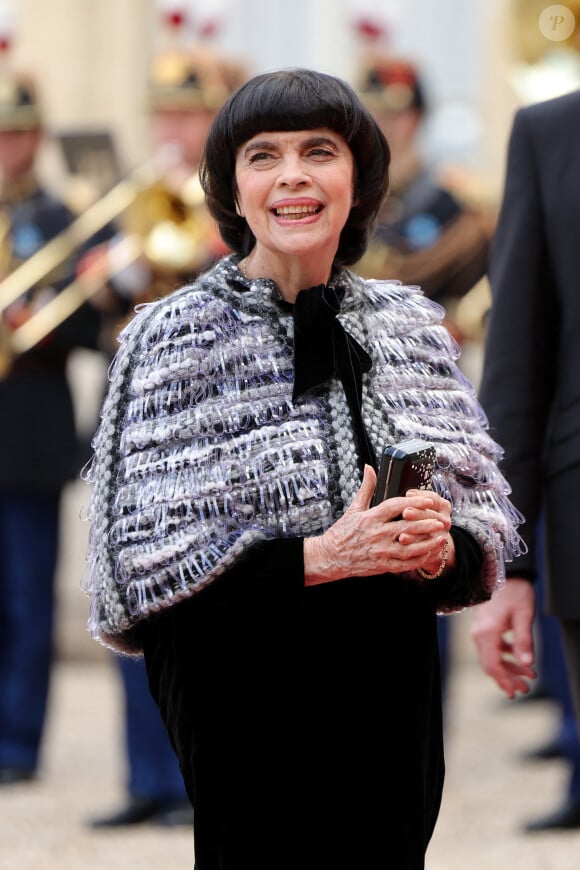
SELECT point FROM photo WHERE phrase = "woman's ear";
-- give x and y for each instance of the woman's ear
(239, 211)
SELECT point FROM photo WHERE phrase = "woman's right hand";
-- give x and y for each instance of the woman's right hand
(365, 541)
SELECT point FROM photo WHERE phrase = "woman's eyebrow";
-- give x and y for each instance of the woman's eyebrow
(321, 140)
(259, 144)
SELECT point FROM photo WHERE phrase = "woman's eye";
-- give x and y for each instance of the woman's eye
(259, 156)
(320, 152)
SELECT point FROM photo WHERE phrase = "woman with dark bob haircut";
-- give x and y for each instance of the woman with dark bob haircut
(237, 541)
(294, 100)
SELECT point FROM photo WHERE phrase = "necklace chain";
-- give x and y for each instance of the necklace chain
(243, 269)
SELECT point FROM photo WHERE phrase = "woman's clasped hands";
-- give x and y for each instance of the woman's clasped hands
(399, 535)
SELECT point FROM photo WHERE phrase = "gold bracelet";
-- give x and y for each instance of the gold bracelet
(444, 554)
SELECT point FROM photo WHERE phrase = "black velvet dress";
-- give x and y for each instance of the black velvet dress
(307, 721)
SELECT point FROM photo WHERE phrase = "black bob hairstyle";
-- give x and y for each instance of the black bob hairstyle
(296, 99)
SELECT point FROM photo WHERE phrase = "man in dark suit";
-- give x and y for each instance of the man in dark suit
(531, 392)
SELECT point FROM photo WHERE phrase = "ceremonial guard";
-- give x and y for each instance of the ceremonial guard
(39, 447)
(431, 232)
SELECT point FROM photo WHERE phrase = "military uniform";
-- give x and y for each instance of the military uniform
(39, 447)
(428, 234)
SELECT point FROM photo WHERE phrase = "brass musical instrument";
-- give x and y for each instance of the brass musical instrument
(170, 229)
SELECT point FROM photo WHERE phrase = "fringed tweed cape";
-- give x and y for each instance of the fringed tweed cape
(201, 451)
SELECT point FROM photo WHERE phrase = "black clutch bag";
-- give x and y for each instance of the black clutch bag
(407, 465)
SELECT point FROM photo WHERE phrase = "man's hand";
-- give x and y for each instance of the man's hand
(502, 630)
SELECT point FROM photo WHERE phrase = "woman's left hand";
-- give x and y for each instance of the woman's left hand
(399, 535)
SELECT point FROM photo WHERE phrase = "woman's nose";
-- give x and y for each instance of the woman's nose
(292, 173)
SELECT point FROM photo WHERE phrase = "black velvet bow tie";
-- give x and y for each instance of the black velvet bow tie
(323, 349)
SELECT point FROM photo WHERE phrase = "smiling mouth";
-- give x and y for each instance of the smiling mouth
(296, 212)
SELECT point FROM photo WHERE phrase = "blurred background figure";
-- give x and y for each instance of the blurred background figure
(428, 233)
(178, 239)
(166, 226)
(39, 447)
(187, 86)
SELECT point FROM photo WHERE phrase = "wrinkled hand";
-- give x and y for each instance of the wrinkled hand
(397, 536)
(502, 630)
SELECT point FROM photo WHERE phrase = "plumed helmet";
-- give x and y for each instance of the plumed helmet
(19, 106)
(391, 83)
(193, 78)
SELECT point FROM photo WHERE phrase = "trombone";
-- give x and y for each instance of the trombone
(144, 186)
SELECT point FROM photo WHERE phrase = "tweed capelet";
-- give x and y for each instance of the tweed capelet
(201, 451)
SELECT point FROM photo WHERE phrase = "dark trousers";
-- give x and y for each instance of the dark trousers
(29, 528)
(557, 669)
(571, 641)
(153, 768)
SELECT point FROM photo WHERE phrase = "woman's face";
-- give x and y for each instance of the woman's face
(295, 189)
